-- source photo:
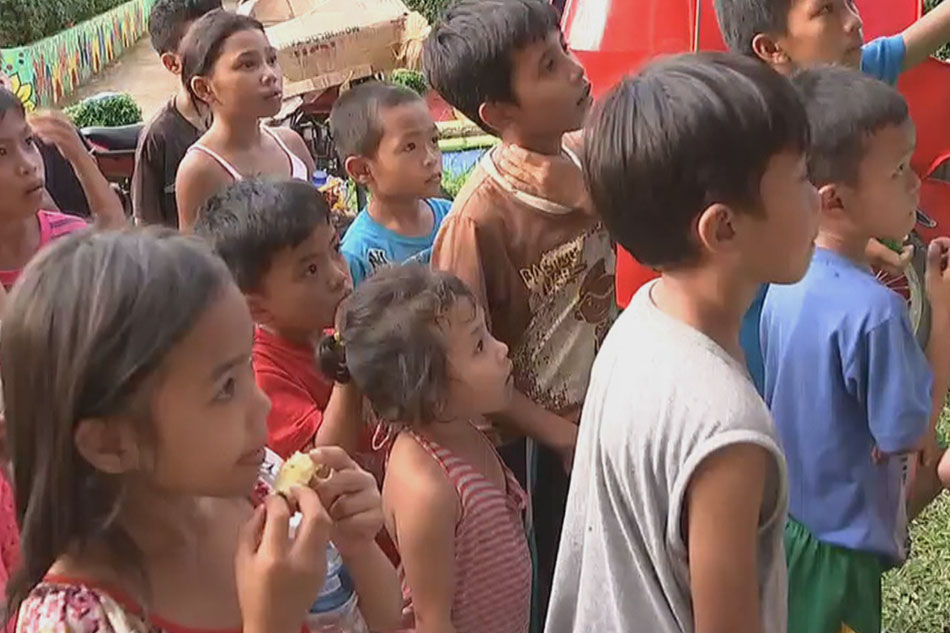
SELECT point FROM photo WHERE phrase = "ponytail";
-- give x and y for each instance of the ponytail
(332, 356)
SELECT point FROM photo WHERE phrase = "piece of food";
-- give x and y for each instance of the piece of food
(895, 245)
(299, 470)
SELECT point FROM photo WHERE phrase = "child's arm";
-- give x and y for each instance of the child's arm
(926, 35)
(555, 432)
(354, 503)
(54, 128)
(723, 506)
(937, 280)
(148, 187)
(342, 419)
(423, 506)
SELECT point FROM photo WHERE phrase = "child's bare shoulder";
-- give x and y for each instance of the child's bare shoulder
(414, 475)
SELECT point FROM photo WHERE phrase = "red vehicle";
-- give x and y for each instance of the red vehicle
(612, 38)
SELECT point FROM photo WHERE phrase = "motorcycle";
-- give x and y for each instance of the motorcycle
(114, 151)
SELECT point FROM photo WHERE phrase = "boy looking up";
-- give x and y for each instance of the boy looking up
(389, 143)
(175, 127)
(543, 271)
(678, 496)
(844, 340)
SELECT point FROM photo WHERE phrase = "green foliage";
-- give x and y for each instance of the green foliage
(453, 182)
(412, 79)
(25, 21)
(106, 111)
(432, 9)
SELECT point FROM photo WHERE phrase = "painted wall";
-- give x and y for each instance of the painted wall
(45, 72)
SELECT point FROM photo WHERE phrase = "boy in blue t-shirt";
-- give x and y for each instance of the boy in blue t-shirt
(389, 143)
(803, 33)
(853, 396)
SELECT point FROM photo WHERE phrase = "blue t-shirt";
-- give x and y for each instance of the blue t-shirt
(369, 246)
(843, 374)
(882, 58)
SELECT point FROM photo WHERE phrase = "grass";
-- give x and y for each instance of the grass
(917, 596)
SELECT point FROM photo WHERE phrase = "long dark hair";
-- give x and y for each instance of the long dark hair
(201, 46)
(391, 344)
(87, 326)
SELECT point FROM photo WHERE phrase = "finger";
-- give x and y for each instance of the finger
(334, 457)
(249, 538)
(907, 254)
(343, 484)
(276, 537)
(347, 506)
(314, 530)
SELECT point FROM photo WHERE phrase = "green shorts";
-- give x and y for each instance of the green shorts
(830, 589)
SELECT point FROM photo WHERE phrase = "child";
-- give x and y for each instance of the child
(802, 33)
(277, 240)
(389, 143)
(544, 272)
(25, 227)
(416, 343)
(228, 64)
(137, 435)
(845, 340)
(177, 126)
(678, 495)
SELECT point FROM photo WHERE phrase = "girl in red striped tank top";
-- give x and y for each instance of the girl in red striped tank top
(416, 343)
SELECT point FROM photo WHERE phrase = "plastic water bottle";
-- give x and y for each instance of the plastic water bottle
(336, 609)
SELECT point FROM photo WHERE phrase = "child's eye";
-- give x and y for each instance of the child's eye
(227, 390)
(826, 9)
(411, 147)
(3, 151)
(30, 141)
(312, 270)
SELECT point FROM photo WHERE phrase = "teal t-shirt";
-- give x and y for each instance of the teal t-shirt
(369, 246)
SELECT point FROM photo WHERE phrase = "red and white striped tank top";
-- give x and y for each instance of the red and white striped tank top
(492, 559)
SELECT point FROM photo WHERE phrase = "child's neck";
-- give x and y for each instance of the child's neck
(547, 145)
(708, 301)
(409, 217)
(850, 246)
(236, 134)
(19, 241)
(193, 112)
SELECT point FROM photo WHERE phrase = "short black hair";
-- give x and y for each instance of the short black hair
(741, 20)
(251, 221)
(845, 108)
(688, 131)
(468, 55)
(391, 343)
(169, 18)
(355, 119)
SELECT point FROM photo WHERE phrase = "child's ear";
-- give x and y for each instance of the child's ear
(258, 307)
(357, 168)
(832, 198)
(202, 89)
(172, 63)
(716, 228)
(496, 116)
(768, 49)
(110, 446)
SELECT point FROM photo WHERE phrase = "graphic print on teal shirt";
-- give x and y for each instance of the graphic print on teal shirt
(369, 246)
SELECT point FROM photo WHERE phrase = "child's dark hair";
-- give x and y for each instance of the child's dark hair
(252, 220)
(201, 46)
(687, 132)
(845, 108)
(355, 119)
(8, 102)
(169, 19)
(741, 20)
(84, 336)
(391, 342)
(468, 55)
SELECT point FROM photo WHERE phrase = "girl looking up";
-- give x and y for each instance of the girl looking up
(228, 64)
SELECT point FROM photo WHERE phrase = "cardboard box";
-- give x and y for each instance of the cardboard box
(324, 37)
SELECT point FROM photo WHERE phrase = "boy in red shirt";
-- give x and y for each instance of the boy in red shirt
(277, 239)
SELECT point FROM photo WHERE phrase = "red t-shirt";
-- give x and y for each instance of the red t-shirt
(298, 391)
(53, 225)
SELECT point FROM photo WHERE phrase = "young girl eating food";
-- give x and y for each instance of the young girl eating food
(137, 436)
(415, 343)
(228, 64)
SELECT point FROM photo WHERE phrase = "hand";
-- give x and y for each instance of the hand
(567, 441)
(554, 178)
(937, 280)
(352, 498)
(878, 456)
(279, 578)
(883, 258)
(54, 128)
